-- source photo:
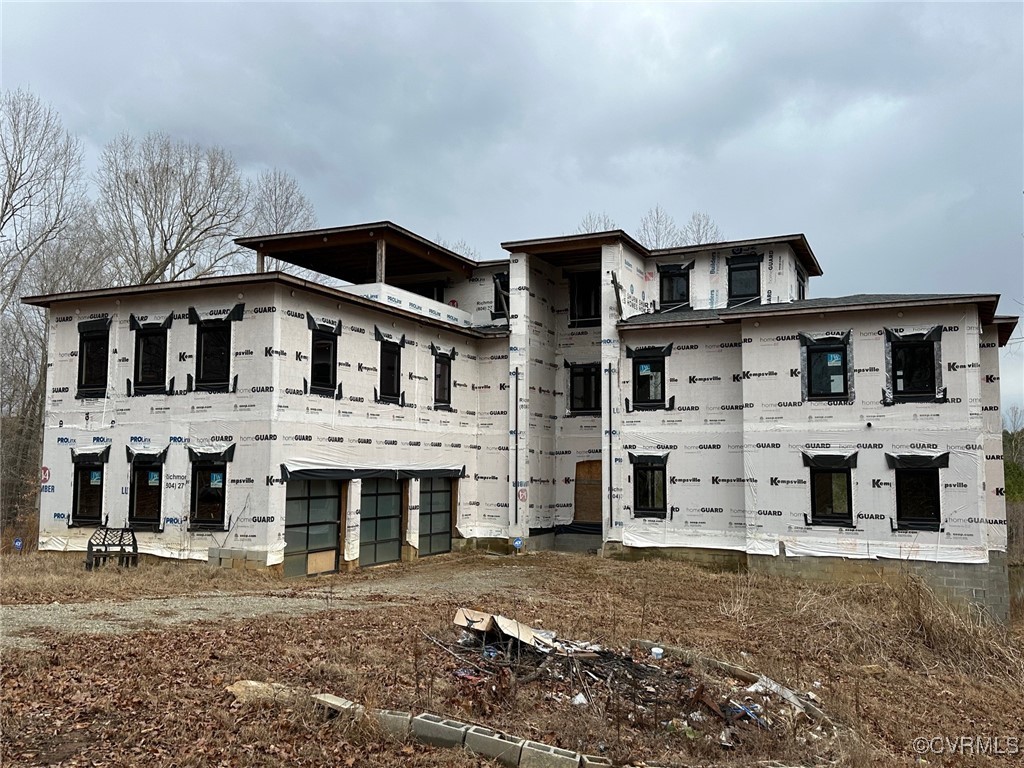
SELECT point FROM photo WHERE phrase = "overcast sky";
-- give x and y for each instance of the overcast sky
(891, 135)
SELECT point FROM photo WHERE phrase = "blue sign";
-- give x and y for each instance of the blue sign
(517, 542)
(18, 543)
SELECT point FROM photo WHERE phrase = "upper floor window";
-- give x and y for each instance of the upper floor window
(675, 285)
(913, 366)
(323, 356)
(584, 299)
(501, 296)
(390, 371)
(584, 388)
(801, 285)
(744, 279)
(213, 350)
(442, 378)
(93, 357)
(826, 367)
(150, 356)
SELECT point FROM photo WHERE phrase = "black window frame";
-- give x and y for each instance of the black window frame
(442, 379)
(655, 361)
(328, 385)
(585, 299)
(211, 383)
(739, 265)
(668, 275)
(897, 344)
(826, 349)
(393, 394)
(821, 519)
(143, 334)
(905, 476)
(655, 468)
(899, 349)
(208, 466)
(584, 373)
(801, 285)
(137, 466)
(89, 383)
(77, 518)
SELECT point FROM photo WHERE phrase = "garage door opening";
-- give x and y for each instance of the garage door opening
(380, 521)
(312, 523)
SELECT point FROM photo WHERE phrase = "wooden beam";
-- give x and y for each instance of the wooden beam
(381, 252)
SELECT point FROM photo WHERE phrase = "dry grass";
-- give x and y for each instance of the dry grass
(45, 577)
(938, 672)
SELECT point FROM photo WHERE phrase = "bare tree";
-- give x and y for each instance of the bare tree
(168, 209)
(459, 246)
(279, 205)
(1013, 434)
(658, 229)
(42, 187)
(700, 229)
(595, 222)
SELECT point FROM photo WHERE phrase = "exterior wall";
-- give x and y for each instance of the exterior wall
(270, 419)
(709, 277)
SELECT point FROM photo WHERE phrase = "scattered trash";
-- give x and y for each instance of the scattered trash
(580, 700)
(657, 653)
(253, 690)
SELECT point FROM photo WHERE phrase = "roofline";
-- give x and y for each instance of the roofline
(727, 315)
(586, 238)
(809, 259)
(256, 278)
(1005, 326)
(255, 242)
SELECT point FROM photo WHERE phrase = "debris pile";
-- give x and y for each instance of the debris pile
(645, 687)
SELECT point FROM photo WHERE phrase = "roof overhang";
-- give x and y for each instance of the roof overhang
(798, 242)
(350, 253)
(263, 278)
(1005, 326)
(574, 250)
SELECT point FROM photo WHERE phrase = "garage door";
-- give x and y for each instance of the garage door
(435, 515)
(311, 524)
(380, 522)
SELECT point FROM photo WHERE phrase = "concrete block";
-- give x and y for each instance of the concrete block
(537, 755)
(336, 705)
(594, 761)
(438, 731)
(257, 555)
(393, 723)
(253, 565)
(502, 747)
(237, 564)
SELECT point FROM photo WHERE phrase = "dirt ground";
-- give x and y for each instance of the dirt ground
(129, 668)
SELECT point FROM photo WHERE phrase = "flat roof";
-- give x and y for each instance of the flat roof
(564, 248)
(350, 253)
(236, 281)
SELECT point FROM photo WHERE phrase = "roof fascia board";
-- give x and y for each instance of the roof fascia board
(574, 242)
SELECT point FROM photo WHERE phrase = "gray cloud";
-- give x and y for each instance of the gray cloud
(891, 134)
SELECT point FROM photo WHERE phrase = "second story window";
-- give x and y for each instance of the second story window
(585, 299)
(826, 367)
(390, 371)
(442, 376)
(914, 366)
(213, 350)
(675, 285)
(93, 357)
(150, 375)
(323, 356)
(584, 388)
(744, 280)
